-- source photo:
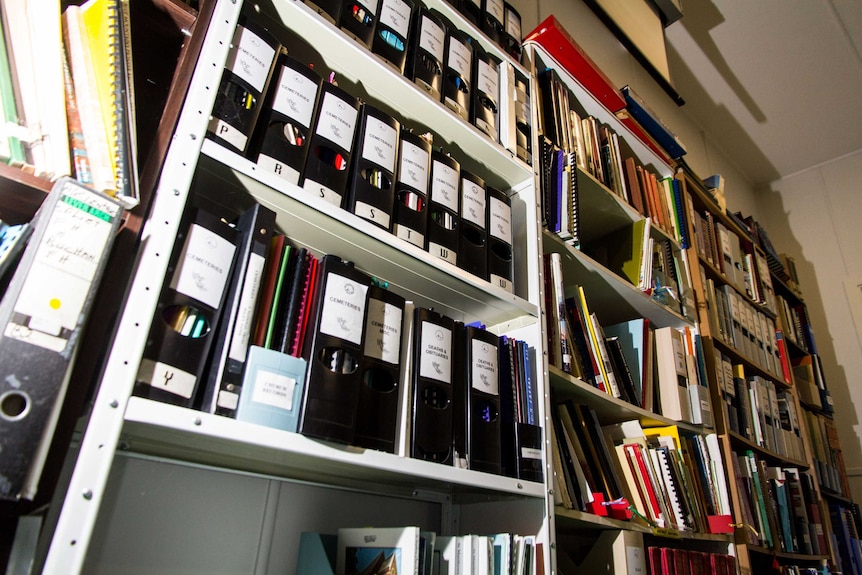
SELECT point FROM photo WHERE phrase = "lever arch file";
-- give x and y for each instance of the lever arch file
(359, 19)
(243, 85)
(46, 304)
(372, 175)
(473, 242)
(224, 378)
(486, 93)
(512, 32)
(457, 72)
(523, 118)
(334, 351)
(500, 260)
(392, 37)
(330, 147)
(431, 432)
(427, 46)
(284, 128)
(445, 203)
(380, 389)
(189, 310)
(493, 17)
(472, 10)
(411, 199)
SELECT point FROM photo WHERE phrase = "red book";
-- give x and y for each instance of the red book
(782, 353)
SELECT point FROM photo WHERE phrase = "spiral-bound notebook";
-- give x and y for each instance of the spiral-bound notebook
(100, 49)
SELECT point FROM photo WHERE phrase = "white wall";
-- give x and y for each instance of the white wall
(814, 216)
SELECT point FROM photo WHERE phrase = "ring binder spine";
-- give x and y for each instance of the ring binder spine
(394, 31)
(473, 242)
(427, 50)
(444, 207)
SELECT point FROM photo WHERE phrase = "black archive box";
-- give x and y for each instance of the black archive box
(358, 20)
(333, 349)
(188, 312)
(243, 85)
(482, 394)
(471, 10)
(380, 371)
(444, 207)
(473, 242)
(394, 29)
(329, 9)
(411, 197)
(493, 20)
(426, 52)
(372, 173)
(457, 72)
(500, 261)
(486, 92)
(523, 118)
(284, 128)
(330, 146)
(431, 432)
(512, 32)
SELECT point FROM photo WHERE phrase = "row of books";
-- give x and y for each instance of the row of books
(758, 411)
(828, 461)
(596, 149)
(780, 506)
(673, 561)
(411, 551)
(737, 322)
(662, 478)
(279, 336)
(660, 370)
(361, 159)
(795, 324)
(845, 533)
(810, 383)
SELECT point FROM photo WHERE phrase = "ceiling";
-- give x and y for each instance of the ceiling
(777, 84)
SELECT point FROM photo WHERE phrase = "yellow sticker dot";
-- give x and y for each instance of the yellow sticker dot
(54, 303)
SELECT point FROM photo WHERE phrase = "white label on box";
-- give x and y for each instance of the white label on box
(337, 121)
(322, 192)
(501, 220)
(250, 58)
(280, 169)
(410, 235)
(484, 369)
(432, 38)
(531, 453)
(444, 185)
(443, 253)
(489, 79)
(204, 267)
(245, 312)
(503, 283)
(275, 389)
(396, 15)
(460, 57)
(435, 352)
(513, 24)
(167, 377)
(495, 8)
(227, 399)
(295, 96)
(380, 142)
(383, 331)
(414, 167)
(228, 133)
(371, 213)
(473, 202)
(343, 308)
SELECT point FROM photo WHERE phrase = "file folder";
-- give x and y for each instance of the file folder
(225, 375)
(426, 52)
(480, 389)
(358, 20)
(189, 310)
(392, 37)
(48, 301)
(432, 431)
(380, 388)
(284, 128)
(500, 260)
(486, 93)
(493, 17)
(457, 72)
(272, 389)
(473, 242)
(244, 82)
(444, 207)
(512, 32)
(334, 351)
(372, 178)
(330, 147)
(411, 199)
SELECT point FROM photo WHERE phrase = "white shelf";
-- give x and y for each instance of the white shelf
(317, 225)
(186, 435)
